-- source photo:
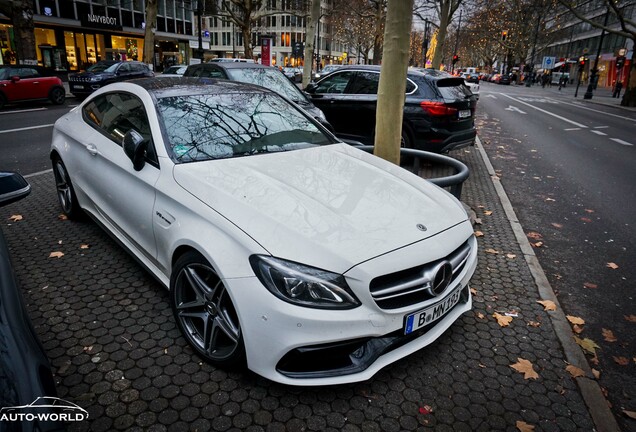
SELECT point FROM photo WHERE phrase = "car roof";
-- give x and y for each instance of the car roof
(181, 86)
(235, 65)
(417, 72)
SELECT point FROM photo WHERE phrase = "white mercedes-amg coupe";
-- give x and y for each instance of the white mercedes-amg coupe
(308, 260)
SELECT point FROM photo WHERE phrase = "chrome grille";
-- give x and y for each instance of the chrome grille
(415, 285)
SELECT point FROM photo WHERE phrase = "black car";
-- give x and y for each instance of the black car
(264, 76)
(438, 112)
(25, 371)
(84, 83)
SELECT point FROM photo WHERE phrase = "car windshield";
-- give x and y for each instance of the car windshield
(269, 78)
(112, 68)
(99, 67)
(4, 73)
(207, 127)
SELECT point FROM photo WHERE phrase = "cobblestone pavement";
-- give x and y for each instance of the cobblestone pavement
(107, 327)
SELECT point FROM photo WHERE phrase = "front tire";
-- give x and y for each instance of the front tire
(205, 313)
(65, 191)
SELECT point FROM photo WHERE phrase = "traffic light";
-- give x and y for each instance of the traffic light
(582, 62)
(455, 58)
(620, 62)
(504, 35)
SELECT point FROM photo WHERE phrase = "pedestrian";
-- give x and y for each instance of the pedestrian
(617, 89)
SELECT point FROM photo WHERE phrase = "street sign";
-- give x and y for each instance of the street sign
(548, 62)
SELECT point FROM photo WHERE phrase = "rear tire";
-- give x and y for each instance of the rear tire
(65, 191)
(57, 95)
(205, 313)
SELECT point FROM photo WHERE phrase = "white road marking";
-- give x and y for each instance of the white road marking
(598, 132)
(572, 129)
(25, 110)
(38, 173)
(580, 105)
(26, 128)
(547, 112)
(620, 141)
(601, 127)
(490, 96)
(514, 108)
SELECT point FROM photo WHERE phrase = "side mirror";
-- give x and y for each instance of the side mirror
(135, 148)
(311, 87)
(15, 78)
(13, 187)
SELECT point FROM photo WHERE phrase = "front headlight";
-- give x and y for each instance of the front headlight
(303, 285)
(96, 78)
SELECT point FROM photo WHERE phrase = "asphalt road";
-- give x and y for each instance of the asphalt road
(568, 168)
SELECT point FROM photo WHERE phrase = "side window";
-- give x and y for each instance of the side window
(26, 73)
(137, 67)
(336, 83)
(114, 114)
(124, 68)
(410, 86)
(365, 83)
(210, 73)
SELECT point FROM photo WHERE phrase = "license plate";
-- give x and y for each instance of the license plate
(426, 316)
(464, 114)
(78, 86)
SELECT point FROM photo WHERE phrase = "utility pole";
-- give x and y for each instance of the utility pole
(425, 41)
(457, 41)
(200, 24)
(594, 72)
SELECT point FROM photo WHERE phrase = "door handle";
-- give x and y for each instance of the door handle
(92, 149)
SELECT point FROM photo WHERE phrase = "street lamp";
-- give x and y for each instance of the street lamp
(594, 72)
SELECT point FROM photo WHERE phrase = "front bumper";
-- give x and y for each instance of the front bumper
(303, 346)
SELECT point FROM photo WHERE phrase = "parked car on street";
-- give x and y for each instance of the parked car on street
(84, 83)
(471, 77)
(438, 112)
(309, 260)
(24, 82)
(25, 371)
(176, 70)
(293, 73)
(265, 76)
(326, 71)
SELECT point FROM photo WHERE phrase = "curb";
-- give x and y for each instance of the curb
(590, 389)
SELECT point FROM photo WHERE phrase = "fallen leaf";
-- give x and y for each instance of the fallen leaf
(575, 320)
(590, 285)
(596, 373)
(511, 256)
(479, 234)
(608, 335)
(548, 305)
(525, 367)
(534, 235)
(15, 218)
(587, 220)
(534, 323)
(477, 221)
(630, 318)
(587, 344)
(594, 360)
(56, 255)
(480, 315)
(524, 427)
(473, 291)
(491, 251)
(623, 361)
(84, 246)
(482, 366)
(502, 320)
(425, 410)
(630, 414)
(612, 265)
(589, 211)
(62, 217)
(488, 212)
(59, 242)
(537, 244)
(550, 199)
(557, 225)
(575, 371)
(577, 329)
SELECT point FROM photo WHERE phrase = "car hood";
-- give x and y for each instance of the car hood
(331, 207)
(102, 75)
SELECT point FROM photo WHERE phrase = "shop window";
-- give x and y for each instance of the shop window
(188, 28)
(67, 10)
(126, 18)
(161, 24)
(139, 20)
(170, 25)
(71, 51)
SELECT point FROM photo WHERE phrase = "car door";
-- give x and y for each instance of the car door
(360, 102)
(329, 95)
(125, 72)
(123, 197)
(28, 86)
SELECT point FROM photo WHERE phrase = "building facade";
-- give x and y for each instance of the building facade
(581, 39)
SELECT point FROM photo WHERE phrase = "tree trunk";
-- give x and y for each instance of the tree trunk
(246, 31)
(24, 32)
(149, 33)
(314, 20)
(629, 98)
(392, 86)
(441, 34)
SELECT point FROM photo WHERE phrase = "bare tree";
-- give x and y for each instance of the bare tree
(149, 32)
(360, 24)
(21, 14)
(444, 10)
(620, 10)
(392, 86)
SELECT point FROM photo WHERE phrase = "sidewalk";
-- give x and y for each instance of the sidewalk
(106, 325)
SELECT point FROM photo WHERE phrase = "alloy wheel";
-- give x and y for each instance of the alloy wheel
(64, 189)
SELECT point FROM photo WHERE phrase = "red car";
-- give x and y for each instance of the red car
(25, 82)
